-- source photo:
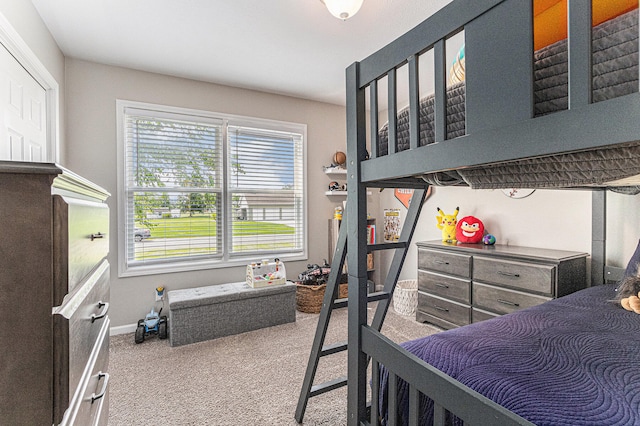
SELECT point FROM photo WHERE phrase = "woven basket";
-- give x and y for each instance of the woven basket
(309, 297)
(405, 297)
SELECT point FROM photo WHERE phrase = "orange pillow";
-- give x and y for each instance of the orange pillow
(550, 17)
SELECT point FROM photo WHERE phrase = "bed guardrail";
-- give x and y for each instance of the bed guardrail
(499, 93)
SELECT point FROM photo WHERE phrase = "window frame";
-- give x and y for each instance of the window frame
(226, 259)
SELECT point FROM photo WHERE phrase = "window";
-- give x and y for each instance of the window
(201, 190)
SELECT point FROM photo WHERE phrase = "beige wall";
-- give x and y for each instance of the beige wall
(92, 90)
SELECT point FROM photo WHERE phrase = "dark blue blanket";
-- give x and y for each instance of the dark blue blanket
(571, 361)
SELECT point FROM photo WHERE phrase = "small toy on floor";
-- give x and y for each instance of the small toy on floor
(152, 323)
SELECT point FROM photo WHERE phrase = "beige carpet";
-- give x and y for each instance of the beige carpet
(249, 379)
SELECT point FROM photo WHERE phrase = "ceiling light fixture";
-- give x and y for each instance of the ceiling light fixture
(343, 9)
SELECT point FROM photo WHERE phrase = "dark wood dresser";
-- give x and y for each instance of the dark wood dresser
(54, 297)
(464, 283)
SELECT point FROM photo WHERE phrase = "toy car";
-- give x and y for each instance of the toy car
(152, 323)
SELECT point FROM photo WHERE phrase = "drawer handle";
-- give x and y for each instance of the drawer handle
(508, 274)
(439, 308)
(103, 392)
(105, 308)
(98, 235)
(442, 262)
(506, 302)
(442, 285)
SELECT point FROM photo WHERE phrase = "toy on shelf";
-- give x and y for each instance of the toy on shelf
(447, 224)
(469, 229)
(488, 240)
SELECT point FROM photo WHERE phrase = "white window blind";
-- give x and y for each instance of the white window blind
(266, 190)
(200, 191)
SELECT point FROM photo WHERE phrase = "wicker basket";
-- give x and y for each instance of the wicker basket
(309, 297)
(405, 297)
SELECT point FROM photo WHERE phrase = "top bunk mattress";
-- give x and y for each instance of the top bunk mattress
(615, 73)
(571, 361)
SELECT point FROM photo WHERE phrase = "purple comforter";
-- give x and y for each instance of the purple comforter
(571, 361)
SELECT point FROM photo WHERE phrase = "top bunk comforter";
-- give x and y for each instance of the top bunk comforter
(571, 361)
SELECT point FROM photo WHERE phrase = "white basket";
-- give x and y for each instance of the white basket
(405, 297)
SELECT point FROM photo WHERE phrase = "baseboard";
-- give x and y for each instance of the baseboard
(122, 329)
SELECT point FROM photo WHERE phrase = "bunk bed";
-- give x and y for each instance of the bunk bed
(494, 130)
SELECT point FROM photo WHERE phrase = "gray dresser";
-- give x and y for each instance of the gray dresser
(54, 297)
(465, 283)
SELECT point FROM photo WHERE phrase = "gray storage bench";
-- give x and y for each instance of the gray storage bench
(204, 313)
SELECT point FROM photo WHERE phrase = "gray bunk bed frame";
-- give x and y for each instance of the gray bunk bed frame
(498, 129)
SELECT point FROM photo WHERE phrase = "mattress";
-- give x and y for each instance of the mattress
(615, 73)
(571, 361)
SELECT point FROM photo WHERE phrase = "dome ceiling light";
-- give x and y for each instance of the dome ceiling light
(343, 9)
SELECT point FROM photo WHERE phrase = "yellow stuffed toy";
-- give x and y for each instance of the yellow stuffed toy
(447, 223)
(629, 294)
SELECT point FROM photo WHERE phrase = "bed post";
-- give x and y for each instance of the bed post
(356, 248)
(598, 235)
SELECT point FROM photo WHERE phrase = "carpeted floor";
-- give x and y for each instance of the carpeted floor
(249, 379)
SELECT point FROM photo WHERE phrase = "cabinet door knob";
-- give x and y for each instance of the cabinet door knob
(442, 285)
(506, 302)
(103, 391)
(441, 308)
(441, 262)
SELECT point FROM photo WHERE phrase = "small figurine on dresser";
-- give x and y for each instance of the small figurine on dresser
(447, 224)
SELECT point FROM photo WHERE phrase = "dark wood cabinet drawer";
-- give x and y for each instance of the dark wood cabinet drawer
(82, 238)
(531, 277)
(449, 263)
(78, 324)
(446, 286)
(455, 313)
(91, 404)
(503, 300)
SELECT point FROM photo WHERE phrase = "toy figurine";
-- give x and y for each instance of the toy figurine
(469, 229)
(447, 224)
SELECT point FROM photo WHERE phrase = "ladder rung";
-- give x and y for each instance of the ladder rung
(372, 297)
(328, 386)
(334, 348)
(386, 246)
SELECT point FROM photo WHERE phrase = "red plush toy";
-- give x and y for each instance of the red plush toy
(469, 230)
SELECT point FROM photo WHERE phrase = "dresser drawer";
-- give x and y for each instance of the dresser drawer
(81, 237)
(503, 301)
(478, 315)
(450, 311)
(445, 286)
(78, 323)
(90, 404)
(450, 263)
(527, 276)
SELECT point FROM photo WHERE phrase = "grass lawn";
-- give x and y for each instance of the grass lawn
(206, 226)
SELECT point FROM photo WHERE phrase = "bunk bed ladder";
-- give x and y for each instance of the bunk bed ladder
(331, 302)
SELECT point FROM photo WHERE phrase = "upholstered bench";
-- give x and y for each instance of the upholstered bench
(205, 313)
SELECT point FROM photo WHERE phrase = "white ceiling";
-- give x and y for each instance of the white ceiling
(290, 47)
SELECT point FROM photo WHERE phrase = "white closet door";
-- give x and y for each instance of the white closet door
(23, 132)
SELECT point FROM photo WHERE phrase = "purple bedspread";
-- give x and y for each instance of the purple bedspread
(571, 361)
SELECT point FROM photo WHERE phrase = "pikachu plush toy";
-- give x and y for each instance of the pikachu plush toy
(447, 224)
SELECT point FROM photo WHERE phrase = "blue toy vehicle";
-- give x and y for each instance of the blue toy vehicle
(152, 323)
